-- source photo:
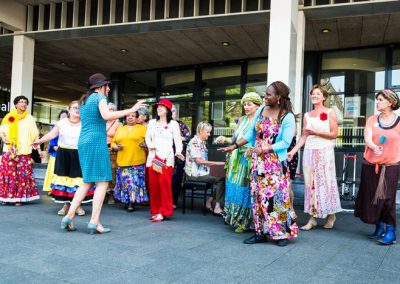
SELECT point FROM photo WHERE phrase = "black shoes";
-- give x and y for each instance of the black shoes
(260, 239)
(255, 240)
(282, 243)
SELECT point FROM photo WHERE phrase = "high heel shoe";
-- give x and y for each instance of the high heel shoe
(92, 229)
(65, 222)
(310, 225)
(330, 221)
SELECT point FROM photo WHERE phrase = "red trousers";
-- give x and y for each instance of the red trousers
(160, 186)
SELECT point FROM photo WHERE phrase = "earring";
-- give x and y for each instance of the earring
(279, 102)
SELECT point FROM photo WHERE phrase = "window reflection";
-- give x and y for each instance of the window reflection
(257, 76)
(221, 81)
(396, 68)
(352, 78)
(177, 84)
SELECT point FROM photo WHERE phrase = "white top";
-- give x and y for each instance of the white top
(163, 138)
(317, 142)
(68, 134)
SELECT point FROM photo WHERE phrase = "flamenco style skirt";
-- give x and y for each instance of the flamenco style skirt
(130, 184)
(67, 177)
(17, 183)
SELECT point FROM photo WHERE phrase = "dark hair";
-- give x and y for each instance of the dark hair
(285, 105)
(169, 115)
(18, 98)
(61, 112)
(391, 96)
(322, 89)
(84, 97)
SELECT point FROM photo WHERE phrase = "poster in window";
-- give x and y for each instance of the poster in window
(217, 111)
(352, 107)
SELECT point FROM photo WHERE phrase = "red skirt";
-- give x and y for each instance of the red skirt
(17, 183)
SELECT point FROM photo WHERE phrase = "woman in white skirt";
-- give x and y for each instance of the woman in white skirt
(320, 130)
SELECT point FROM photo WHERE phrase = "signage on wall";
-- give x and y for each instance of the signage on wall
(351, 107)
(5, 107)
(217, 111)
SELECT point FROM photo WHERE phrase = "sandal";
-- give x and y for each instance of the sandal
(130, 208)
(157, 219)
(219, 214)
(310, 225)
(63, 211)
(18, 203)
(80, 211)
(330, 222)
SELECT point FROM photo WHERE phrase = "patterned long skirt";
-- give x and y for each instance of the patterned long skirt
(321, 191)
(238, 210)
(17, 183)
(271, 200)
(131, 184)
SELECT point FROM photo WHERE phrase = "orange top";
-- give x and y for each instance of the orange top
(391, 147)
(111, 128)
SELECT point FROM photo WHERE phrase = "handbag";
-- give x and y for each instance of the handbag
(158, 164)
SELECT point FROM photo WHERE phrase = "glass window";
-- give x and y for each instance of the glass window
(221, 81)
(352, 78)
(177, 84)
(223, 116)
(140, 85)
(257, 76)
(396, 68)
(186, 112)
(363, 68)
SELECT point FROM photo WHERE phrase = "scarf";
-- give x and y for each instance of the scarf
(12, 119)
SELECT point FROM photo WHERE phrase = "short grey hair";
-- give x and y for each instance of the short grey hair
(112, 106)
(203, 126)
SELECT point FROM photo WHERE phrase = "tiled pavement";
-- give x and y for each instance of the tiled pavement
(189, 248)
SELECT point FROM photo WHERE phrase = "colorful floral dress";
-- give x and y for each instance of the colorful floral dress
(17, 183)
(237, 209)
(269, 183)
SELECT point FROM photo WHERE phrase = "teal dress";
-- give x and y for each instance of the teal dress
(94, 156)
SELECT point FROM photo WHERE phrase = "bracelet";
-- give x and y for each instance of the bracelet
(237, 145)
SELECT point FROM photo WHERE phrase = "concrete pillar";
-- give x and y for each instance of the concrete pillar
(22, 68)
(286, 43)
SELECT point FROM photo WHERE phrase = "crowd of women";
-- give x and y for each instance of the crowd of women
(88, 146)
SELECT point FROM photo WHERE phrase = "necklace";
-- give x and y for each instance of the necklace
(387, 124)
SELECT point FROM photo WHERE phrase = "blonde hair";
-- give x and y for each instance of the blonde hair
(203, 126)
(73, 102)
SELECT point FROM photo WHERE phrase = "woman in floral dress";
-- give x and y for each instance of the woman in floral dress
(128, 141)
(273, 131)
(18, 130)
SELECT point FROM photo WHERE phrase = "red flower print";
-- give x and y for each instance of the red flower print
(323, 116)
(11, 119)
(166, 126)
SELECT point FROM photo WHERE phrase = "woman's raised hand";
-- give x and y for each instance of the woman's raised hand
(140, 104)
(229, 148)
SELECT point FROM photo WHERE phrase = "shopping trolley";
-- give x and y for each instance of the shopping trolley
(348, 185)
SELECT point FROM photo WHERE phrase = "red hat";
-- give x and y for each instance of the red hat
(166, 103)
